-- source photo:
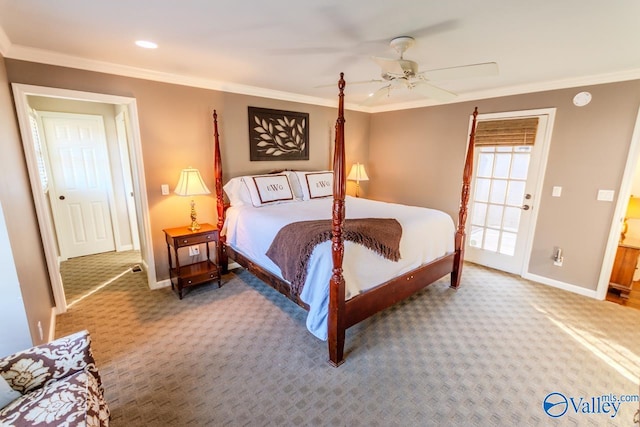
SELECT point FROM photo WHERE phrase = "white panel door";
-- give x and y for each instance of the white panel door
(503, 202)
(80, 185)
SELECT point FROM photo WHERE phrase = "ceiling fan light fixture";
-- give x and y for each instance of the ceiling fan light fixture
(401, 44)
(400, 73)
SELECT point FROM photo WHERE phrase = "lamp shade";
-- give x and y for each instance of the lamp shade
(191, 183)
(357, 173)
(633, 208)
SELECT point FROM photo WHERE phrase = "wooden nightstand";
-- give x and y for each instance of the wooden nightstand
(624, 267)
(182, 276)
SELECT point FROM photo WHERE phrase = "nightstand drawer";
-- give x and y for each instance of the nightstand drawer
(196, 280)
(196, 273)
(194, 240)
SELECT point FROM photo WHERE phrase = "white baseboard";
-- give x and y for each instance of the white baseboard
(233, 265)
(562, 285)
(161, 284)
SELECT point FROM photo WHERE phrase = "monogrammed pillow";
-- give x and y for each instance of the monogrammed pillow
(265, 189)
(316, 184)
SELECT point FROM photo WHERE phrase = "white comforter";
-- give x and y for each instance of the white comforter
(427, 234)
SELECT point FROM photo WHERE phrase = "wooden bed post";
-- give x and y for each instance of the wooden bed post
(217, 166)
(464, 204)
(336, 323)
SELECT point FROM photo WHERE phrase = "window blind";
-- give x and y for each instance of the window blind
(506, 132)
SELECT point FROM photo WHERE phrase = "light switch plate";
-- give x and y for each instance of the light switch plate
(557, 191)
(605, 195)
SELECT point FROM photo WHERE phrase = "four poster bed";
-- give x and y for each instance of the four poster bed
(247, 232)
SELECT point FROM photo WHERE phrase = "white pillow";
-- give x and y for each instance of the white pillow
(316, 184)
(265, 189)
(295, 184)
(7, 394)
(237, 192)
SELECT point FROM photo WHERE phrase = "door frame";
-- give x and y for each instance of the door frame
(115, 229)
(123, 149)
(542, 168)
(49, 242)
(624, 192)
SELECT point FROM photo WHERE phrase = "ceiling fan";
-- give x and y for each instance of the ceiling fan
(403, 72)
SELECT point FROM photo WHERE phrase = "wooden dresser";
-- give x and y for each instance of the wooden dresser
(624, 268)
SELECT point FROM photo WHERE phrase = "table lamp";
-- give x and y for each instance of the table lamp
(191, 184)
(633, 211)
(357, 174)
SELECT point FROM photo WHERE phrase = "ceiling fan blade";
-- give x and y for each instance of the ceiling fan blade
(485, 69)
(389, 66)
(432, 92)
(362, 82)
(377, 95)
(318, 50)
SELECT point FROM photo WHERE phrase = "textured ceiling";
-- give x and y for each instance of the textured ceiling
(286, 48)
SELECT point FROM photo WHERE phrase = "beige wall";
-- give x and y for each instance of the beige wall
(413, 156)
(21, 221)
(588, 152)
(176, 132)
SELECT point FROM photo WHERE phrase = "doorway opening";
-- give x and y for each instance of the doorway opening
(136, 227)
(624, 238)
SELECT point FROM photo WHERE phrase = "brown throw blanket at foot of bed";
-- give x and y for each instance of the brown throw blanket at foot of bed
(294, 243)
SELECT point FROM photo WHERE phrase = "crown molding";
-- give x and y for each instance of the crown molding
(52, 58)
(620, 76)
(5, 43)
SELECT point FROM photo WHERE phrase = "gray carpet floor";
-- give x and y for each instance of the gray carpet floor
(240, 355)
(82, 275)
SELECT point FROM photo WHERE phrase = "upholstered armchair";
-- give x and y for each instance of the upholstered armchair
(54, 384)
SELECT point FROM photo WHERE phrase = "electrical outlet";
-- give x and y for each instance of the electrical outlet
(194, 250)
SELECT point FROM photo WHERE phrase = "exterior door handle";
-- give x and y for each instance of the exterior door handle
(61, 197)
(525, 207)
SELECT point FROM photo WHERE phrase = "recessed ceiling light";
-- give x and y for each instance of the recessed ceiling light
(146, 44)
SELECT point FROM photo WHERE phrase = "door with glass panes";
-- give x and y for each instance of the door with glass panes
(509, 155)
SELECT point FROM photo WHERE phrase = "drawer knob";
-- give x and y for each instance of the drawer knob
(189, 282)
(185, 241)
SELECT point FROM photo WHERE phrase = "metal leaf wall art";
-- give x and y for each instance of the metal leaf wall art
(278, 135)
